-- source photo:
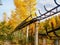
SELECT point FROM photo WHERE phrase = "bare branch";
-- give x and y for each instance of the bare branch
(45, 8)
(39, 12)
(56, 3)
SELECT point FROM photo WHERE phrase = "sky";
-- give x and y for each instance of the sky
(8, 5)
(49, 4)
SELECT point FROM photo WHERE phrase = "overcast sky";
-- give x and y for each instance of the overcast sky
(8, 5)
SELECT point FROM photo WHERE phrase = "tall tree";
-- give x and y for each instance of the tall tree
(25, 8)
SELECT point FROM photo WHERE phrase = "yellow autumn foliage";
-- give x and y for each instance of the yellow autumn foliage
(25, 8)
(4, 16)
(53, 21)
(13, 20)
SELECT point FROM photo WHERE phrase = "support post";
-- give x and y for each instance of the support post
(36, 33)
(27, 33)
(56, 42)
(59, 41)
(44, 41)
